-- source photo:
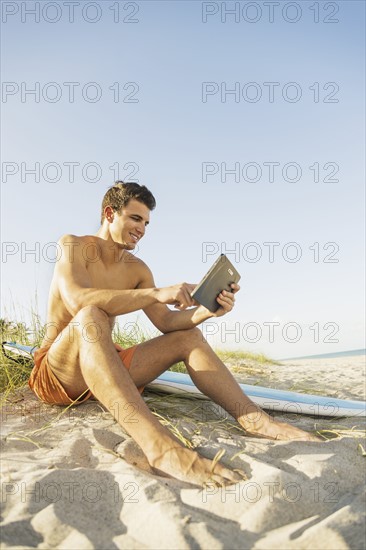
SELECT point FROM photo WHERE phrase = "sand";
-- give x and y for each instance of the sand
(76, 480)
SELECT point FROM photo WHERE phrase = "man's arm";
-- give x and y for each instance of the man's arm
(167, 320)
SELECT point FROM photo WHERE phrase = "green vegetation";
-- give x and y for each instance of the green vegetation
(242, 356)
(14, 374)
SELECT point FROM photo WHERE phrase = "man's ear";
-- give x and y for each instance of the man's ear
(109, 214)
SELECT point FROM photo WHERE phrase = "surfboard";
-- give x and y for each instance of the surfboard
(267, 398)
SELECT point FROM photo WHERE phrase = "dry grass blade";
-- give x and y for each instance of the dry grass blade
(47, 425)
(174, 429)
(241, 473)
(342, 432)
(239, 453)
(17, 437)
(220, 453)
(363, 452)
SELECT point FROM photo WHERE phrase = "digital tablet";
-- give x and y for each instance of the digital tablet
(221, 275)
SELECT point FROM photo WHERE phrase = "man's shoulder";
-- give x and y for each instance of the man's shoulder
(68, 238)
(71, 240)
(131, 258)
(75, 247)
(142, 271)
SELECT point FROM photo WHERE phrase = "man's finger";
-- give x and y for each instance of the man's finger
(190, 286)
(226, 299)
(228, 294)
(187, 297)
(184, 295)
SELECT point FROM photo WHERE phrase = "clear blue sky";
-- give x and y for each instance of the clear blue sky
(181, 138)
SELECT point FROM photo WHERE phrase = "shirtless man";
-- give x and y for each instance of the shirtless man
(96, 279)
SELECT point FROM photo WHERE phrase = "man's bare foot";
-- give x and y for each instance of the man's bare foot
(269, 428)
(189, 466)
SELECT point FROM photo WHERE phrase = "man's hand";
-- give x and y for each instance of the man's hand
(226, 300)
(178, 295)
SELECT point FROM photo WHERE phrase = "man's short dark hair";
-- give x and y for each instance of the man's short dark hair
(122, 192)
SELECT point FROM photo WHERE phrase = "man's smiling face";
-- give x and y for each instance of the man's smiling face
(128, 227)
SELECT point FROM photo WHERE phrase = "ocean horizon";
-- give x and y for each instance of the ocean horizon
(348, 353)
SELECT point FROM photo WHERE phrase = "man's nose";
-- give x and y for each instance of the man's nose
(140, 229)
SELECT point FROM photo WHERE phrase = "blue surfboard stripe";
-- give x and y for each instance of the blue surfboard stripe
(261, 391)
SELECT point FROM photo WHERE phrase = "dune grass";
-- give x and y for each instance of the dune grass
(14, 374)
(242, 356)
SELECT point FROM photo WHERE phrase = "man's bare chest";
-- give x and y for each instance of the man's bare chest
(119, 276)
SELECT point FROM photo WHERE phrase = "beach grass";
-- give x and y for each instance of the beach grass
(235, 356)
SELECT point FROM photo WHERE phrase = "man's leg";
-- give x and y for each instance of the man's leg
(86, 358)
(211, 377)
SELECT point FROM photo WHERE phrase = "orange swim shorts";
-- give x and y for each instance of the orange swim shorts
(49, 389)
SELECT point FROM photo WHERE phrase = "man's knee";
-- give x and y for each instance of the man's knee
(195, 334)
(92, 312)
(91, 322)
(190, 338)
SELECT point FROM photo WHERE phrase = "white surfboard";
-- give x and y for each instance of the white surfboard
(267, 398)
